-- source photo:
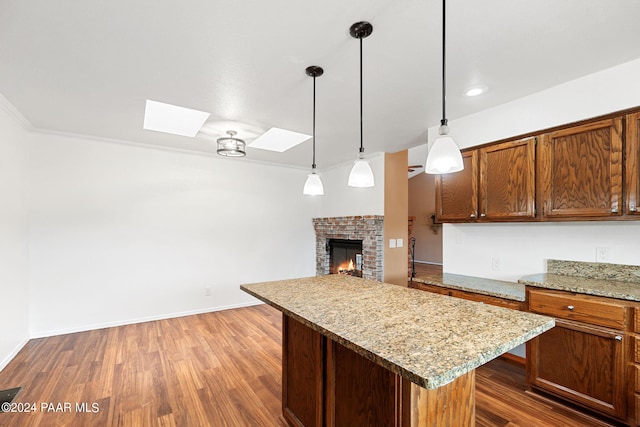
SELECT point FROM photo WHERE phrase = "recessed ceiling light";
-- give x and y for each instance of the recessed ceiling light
(172, 119)
(276, 139)
(476, 90)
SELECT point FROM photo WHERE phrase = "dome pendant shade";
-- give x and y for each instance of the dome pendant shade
(361, 174)
(444, 156)
(230, 146)
(313, 185)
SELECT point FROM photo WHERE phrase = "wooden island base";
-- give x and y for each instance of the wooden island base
(326, 384)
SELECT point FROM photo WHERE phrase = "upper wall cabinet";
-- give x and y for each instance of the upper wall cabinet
(507, 181)
(457, 193)
(497, 184)
(580, 171)
(632, 163)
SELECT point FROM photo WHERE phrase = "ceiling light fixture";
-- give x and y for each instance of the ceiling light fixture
(313, 185)
(361, 174)
(444, 156)
(230, 146)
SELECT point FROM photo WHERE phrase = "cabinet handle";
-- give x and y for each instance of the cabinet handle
(482, 215)
(618, 337)
(614, 210)
(570, 307)
(632, 208)
(472, 215)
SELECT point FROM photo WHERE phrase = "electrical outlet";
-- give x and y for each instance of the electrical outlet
(392, 243)
(399, 243)
(496, 265)
(602, 254)
(207, 291)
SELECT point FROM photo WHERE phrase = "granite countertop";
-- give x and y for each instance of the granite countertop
(592, 278)
(478, 285)
(584, 285)
(427, 338)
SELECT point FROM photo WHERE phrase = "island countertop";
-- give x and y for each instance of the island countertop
(427, 338)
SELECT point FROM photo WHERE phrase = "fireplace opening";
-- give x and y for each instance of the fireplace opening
(345, 257)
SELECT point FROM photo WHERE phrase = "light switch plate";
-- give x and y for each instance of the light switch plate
(392, 243)
(399, 243)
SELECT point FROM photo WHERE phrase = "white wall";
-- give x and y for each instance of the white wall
(522, 248)
(342, 200)
(14, 293)
(121, 233)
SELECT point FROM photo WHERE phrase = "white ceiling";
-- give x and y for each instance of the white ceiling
(87, 67)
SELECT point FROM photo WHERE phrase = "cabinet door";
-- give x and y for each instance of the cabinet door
(507, 181)
(360, 392)
(302, 371)
(457, 193)
(584, 364)
(632, 163)
(581, 170)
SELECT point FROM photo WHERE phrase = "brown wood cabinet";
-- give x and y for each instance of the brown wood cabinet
(588, 356)
(634, 368)
(328, 384)
(632, 163)
(581, 171)
(457, 193)
(507, 181)
(584, 171)
(302, 376)
(496, 184)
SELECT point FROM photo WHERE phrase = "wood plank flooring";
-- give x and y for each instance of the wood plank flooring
(214, 369)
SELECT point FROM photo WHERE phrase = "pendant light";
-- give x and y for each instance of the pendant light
(361, 174)
(444, 156)
(313, 184)
(230, 146)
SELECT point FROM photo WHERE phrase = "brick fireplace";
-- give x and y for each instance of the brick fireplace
(368, 228)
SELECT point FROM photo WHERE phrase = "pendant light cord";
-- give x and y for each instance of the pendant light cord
(361, 143)
(443, 122)
(313, 166)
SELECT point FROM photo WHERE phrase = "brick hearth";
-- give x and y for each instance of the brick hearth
(368, 228)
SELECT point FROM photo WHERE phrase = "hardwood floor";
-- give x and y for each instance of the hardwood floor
(214, 369)
(422, 269)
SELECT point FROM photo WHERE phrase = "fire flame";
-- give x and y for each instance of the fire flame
(344, 268)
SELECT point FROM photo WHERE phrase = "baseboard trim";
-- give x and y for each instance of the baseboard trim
(514, 358)
(13, 353)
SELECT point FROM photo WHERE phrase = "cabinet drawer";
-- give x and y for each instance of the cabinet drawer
(636, 348)
(581, 308)
(637, 318)
(636, 371)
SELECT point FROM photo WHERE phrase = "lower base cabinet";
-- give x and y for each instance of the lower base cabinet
(327, 384)
(595, 374)
(318, 372)
(590, 357)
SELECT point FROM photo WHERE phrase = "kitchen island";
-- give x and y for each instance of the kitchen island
(361, 352)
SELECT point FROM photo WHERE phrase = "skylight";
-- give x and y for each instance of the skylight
(172, 119)
(276, 139)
